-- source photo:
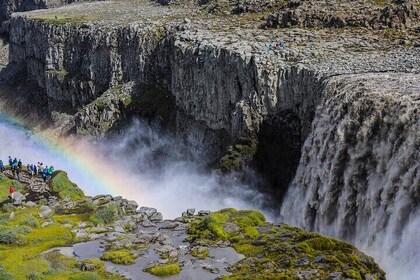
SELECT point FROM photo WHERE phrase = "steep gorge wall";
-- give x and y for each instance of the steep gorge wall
(225, 91)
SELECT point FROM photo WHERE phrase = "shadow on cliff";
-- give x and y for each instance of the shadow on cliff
(278, 152)
(22, 98)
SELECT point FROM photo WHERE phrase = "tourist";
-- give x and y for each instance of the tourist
(1, 166)
(11, 191)
(18, 174)
(19, 164)
(45, 173)
(50, 171)
(29, 170)
(10, 163)
(34, 169)
(15, 164)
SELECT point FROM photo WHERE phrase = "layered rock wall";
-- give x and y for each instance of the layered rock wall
(224, 88)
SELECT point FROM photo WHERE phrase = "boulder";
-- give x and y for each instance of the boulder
(156, 217)
(146, 210)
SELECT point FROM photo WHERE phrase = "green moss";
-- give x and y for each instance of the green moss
(164, 269)
(238, 154)
(248, 249)
(251, 232)
(6, 182)
(63, 187)
(4, 274)
(275, 251)
(104, 214)
(353, 274)
(211, 227)
(200, 253)
(119, 257)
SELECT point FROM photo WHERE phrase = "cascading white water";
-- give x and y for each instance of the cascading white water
(359, 173)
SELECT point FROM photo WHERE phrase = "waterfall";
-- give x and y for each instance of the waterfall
(359, 174)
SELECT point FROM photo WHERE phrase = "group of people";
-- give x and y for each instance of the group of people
(38, 170)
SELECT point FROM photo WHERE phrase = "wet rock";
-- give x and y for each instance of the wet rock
(165, 249)
(211, 269)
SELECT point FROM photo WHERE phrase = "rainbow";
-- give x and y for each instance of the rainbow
(85, 166)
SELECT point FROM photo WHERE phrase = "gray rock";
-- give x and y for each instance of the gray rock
(148, 223)
(146, 210)
(156, 217)
(30, 204)
(170, 225)
(119, 229)
(203, 212)
(231, 227)
(81, 234)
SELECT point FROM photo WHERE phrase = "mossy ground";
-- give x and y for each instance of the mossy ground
(280, 251)
(6, 182)
(23, 241)
(119, 257)
(164, 269)
(63, 187)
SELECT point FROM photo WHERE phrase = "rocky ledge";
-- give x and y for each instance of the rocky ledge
(195, 68)
(54, 231)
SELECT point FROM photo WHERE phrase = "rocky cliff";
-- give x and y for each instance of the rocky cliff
(7, 7)
(227, 78)
(232, 92)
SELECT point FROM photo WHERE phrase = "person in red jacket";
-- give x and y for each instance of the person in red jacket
(11, 191)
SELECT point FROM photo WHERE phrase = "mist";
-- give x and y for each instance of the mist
(139, 164)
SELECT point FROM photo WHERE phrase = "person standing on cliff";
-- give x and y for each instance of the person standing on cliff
(11, 191)
(10, 163)
(34, 170)
(1, 166)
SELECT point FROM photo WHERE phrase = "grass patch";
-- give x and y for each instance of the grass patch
(63, 187)
(119, 257)
(104, 215)
(201, 253)
(164, 269)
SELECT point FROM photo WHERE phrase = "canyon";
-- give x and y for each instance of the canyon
(329, 122)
